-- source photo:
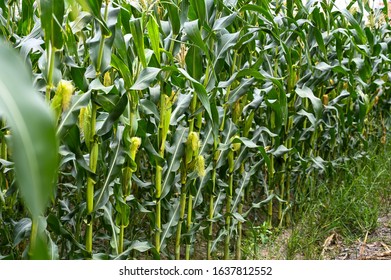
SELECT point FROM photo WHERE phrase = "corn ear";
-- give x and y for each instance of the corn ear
(200, 166)
(135, 143)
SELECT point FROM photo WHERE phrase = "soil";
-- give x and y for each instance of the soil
(375, 245)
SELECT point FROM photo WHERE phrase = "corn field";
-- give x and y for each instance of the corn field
(158, 129)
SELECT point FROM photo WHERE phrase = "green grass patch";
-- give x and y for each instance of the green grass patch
(348, 204)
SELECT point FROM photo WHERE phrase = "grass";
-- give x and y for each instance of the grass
(346, 205)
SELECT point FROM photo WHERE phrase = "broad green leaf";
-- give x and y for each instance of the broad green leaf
(228, 132)
(140, 246)
(149, 108)
(55, 226)
(118, 64)
(173, 162)
(21, 230)
(240, 90)
(154, 156)
(306, 92)
(174, 15)
(114, 168)
(170, 226)
(194, 62)
(201, 93)
(320, 41)
(146, 77)
(359, 31)
(225, 43)
(154, 36)
(109, 217)
(113, 116)
(245, 141)
(224, 22)
(182, 105)
(52, 249)
(263, 13)
(194, 34)
(80, 22)
(281, 150)
(34, 141)
(138, 38)
(94, 7)
(199, 7)
(52, 15)
(101, 44)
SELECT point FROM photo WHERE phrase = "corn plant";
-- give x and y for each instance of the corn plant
(181, 122)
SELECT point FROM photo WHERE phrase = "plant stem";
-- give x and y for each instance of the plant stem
(189, 223)
(228, 204)
(50, 62)
(179, 226)
(33, 234)
(238, 254)
(211, 212)
(94, 149)
(121, 238)
(158, 183)
(228, 217)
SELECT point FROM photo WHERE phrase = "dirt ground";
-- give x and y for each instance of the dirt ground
(375, 245)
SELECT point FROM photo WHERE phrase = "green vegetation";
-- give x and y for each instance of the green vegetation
(184, 122)
(349, 205)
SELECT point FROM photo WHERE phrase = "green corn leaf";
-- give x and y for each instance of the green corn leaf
(264, 14)
(201, 94)
(34, 141)
(109, 217)
(224, 22)
(281, 150)
(182, 105)
(138, 39)
(80, 22)
(118, 64)
(194, 34)
(170, 226)
(113, 116)
(228, 132)
(154, 36)
(52, 15)
(55, 226)
(306, 92)
(145, 78)
(360, 32)
(140, 246)
(101, 53)
(193, 62)
(114, 168)
(94, 7)
(21, 230)
(241, 90)
(225, 43)
(173, 15)
(199, 7)
(173, 163)
(320, 41)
